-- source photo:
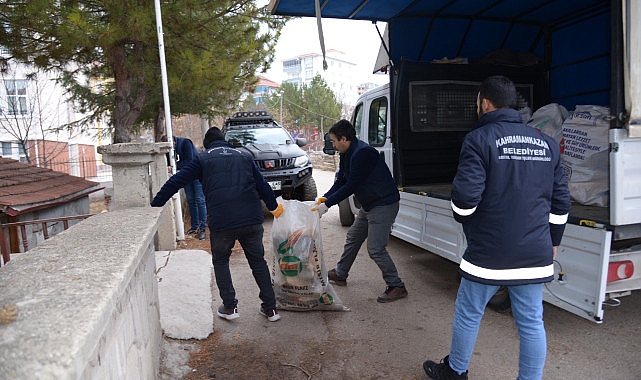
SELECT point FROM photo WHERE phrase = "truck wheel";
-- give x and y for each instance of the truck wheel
(345, 213)
(307, 192)
(500, 302)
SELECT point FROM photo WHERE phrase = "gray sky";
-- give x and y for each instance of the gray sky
(357, 39)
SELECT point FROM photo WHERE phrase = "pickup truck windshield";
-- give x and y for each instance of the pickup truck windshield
(277, 136)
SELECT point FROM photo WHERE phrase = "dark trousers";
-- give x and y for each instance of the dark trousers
(251, 239)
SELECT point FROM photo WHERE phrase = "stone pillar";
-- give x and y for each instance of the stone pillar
(139, 170)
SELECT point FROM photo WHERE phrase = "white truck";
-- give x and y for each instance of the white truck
(569, 53)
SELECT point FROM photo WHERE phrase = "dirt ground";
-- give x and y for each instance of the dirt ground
(390, 341)
(212, 359)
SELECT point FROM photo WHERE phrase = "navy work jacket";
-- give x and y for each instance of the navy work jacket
(232, 183)
(511, 195)
(363, 172)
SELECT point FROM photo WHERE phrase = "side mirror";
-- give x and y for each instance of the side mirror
(328, 148)
(301, 141)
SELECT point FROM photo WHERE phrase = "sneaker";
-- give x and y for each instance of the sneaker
(333, 277)
(392, 293)
(201, 235)
(442, 370)
(192, 231)
(271, 314)
(227, 313)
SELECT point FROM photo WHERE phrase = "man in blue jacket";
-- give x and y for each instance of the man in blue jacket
(185, 151)
(363, 172)
(512, 198)
(233, 187)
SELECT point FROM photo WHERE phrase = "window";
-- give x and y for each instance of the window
(16, 96)
(357, 119)
(377, 122)
(7, 151)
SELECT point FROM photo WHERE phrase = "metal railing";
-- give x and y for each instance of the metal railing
(5, 230)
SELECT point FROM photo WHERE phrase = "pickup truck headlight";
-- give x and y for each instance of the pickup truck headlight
(301, 161)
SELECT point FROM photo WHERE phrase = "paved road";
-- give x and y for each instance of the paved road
(390, 341)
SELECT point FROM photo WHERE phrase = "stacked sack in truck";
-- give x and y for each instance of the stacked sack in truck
(583, 138)
(586, 154)
(298, 269)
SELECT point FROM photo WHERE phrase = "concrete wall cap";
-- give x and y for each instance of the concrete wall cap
(135, 148)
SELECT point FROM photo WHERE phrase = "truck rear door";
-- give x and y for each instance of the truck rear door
(581, 272)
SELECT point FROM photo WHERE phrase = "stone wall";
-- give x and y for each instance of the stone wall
(87, 302)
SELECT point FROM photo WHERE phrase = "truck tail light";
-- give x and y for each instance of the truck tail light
(620, 270)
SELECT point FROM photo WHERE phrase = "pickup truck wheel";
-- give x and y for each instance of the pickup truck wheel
(500, 302)
(307, 192)
(345, 213)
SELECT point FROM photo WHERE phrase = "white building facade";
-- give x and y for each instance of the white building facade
(33, 110)
(341, 75)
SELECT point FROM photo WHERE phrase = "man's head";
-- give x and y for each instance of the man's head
(212, 135)
(494, 93)
(342, 134)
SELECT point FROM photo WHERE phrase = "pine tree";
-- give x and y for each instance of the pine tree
(106, 53)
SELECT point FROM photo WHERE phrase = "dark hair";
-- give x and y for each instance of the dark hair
(343, 128)
(499, 90)
(212, 135)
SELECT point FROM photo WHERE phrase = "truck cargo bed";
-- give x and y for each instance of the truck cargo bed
(579, 214)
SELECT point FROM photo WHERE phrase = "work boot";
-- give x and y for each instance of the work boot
(442, 370)
(333, 277)
(392, 293)
(201, 235)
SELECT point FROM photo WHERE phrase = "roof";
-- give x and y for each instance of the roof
(451, 28)
(526, 11)
(26, 188)
(263, 81)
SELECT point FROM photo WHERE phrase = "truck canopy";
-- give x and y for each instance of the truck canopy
(571, 38)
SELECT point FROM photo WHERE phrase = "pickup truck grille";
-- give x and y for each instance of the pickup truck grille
(281, 163)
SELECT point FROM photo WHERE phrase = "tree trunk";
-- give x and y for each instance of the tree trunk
(127, 103)
(159, 124)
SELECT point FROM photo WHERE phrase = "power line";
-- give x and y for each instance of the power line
(312, 112)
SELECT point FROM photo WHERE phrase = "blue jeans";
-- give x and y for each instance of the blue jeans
(251, 239)
(374, 225)
(527, 308)
(197, 208)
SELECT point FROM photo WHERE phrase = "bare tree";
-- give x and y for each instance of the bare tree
(30, 114)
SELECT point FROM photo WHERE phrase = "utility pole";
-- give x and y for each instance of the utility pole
(280, 95)
(180, 230)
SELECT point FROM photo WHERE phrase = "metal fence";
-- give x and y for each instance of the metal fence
(7, 230)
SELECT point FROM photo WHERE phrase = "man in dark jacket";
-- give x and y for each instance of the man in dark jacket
(512, 198)
(363, 172)
(184, 152)
(234, 187)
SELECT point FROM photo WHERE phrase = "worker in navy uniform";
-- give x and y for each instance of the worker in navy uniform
(511, 196)
(234, 188)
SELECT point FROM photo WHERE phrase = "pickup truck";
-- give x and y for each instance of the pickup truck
(582, 52)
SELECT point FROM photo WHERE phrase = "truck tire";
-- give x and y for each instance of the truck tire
(345, 213)
(307, 192)
(500, 302)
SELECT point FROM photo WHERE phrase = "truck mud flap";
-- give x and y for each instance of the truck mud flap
(580, 272)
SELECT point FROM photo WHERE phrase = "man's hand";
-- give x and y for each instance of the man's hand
(321, 208)
(279, 210)
(156, 203)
